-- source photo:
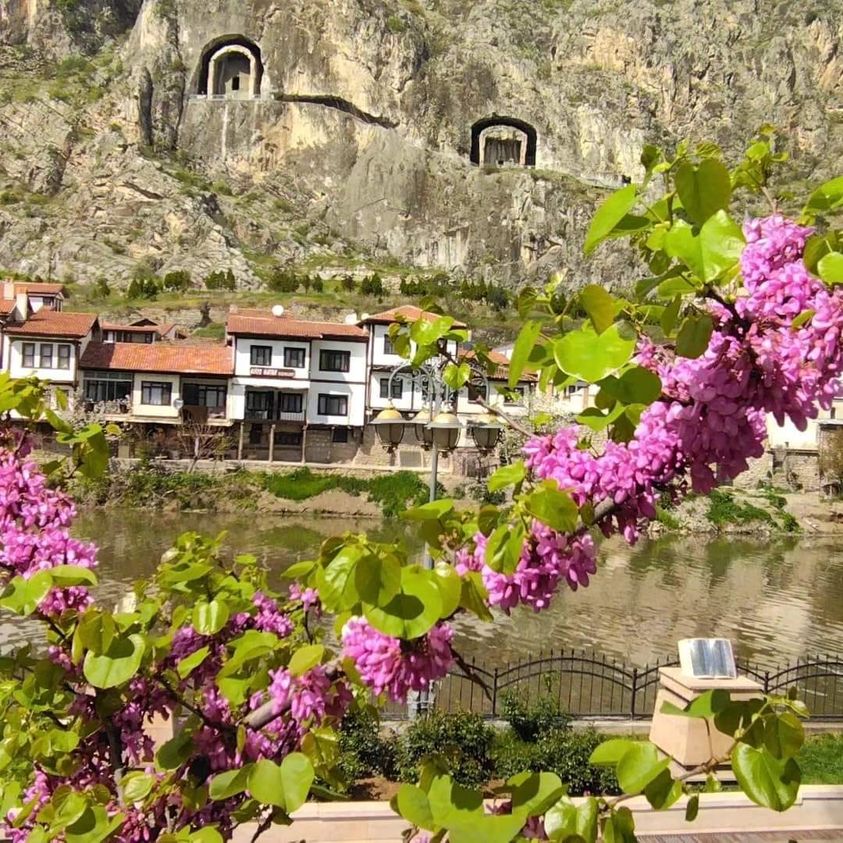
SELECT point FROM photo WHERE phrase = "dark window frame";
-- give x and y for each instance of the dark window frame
(201, 394)
(323, 404)
(266, 405)
(165, 388)
(288, 438)
(283, 397)
(28, 355)
(291, 352)
(101, 390)
(334, 360)
(340, 436)
(45, 361)
(397, 388)
(388, 347)
(64, 356)
(258, 351)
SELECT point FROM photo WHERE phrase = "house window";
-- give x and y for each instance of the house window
(290, 402)
(29, 355)
(334, 361)
(156, 393)
(477, 392)
(107, 386)
(64, 357)
(339, 435)
(388, 347)
(333, 405)
(261, 355)
(256, 434)
(45, 358)
(203, 395)
(293, 358)
(235, 83)
(397, 388)
(290, 438)
(515, 396)
(259, 405)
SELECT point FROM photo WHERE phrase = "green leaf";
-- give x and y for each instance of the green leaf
(707, 704)
(694, 335)
(94, 825)
(767, 781)
(610, 752)
(136, 786)
(524, 344)
(378, 578)
(337, 583)
(189, 663)
(474, 597)
(120, 662)
(297, 776)
(22, 596)
(663, 791)
(670, 315)
(411, 802)
(640, 764)
(714, 250)
(210, 617)
(553, 507)
(830, 268)
(456, 377)
(413, 611)
(503, 550)
(305, 659)
(635, 386)
(827, 197)
(266, 784)
(228, 784)
(599, 305)
(507, 475)
(66, 575)
(449, 583)
(535, 792)
(298, 570)
(784, 735)
(591, 357)
(609, 216)
(429, 511)
(174, 752)
(803, 319)
(692, 808)
(703, 190)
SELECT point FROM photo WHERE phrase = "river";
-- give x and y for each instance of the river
(776, 600)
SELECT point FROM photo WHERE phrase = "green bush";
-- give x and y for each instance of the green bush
(530, 720)
(363, 751)
(463, 742)
(220, 280)
(348, 283)
(177, 281)
(283, 281)
(372, 285)
(144, 287)
(561, 751)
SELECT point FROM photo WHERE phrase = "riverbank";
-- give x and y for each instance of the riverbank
(363, 493)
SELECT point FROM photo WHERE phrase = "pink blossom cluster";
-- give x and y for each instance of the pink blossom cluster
(548, 558)
(34, 524)
(711, 418)
(395, 667)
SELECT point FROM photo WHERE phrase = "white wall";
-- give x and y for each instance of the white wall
(410, 399)
(356, 365)
(243, 355)
(14, 361)
(356, 394)
(496, 399)
(167, 411)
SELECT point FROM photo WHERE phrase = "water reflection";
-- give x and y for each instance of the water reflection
(774, 600)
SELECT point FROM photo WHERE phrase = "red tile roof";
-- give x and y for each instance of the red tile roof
(150, 328)
(408, 312)
(40, 288)
(54, 323)
(501, 371)
(259, 323)
(163, 357)
(6, 306)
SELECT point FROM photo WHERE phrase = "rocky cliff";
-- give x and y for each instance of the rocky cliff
(350, 131)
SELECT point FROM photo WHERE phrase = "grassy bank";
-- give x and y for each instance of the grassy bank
(149, 485)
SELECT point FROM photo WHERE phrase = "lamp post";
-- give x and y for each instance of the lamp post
(438, 430)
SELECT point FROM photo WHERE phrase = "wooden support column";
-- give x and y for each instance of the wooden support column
(271, 442)
(304, 444)
(240, 443)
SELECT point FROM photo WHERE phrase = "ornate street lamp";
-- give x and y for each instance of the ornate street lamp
(446, 429)
(420, 422)
(389, 425)
(486, 432)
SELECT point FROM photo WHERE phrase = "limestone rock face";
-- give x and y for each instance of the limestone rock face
(359, 142)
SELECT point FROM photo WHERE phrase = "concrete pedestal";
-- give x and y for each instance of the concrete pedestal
(685, 739)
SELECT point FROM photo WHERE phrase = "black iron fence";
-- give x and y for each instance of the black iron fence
(587, 685)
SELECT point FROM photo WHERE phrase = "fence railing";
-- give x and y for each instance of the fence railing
(588, 685)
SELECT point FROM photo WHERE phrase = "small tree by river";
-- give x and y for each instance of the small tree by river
(728, 324)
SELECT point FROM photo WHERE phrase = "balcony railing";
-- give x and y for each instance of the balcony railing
(269, 417)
